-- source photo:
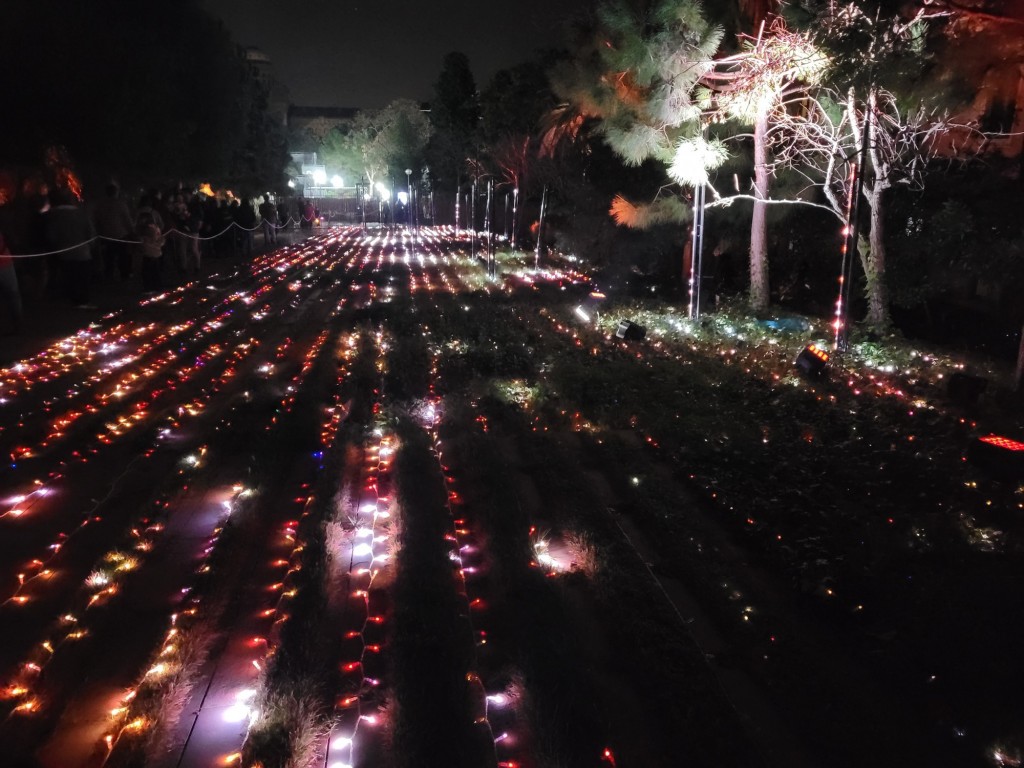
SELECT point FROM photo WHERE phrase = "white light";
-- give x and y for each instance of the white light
(291, 184)
(403, 197)
(498, 699)
(362, 550)
(319, 177)
(336, 181)
(342, 742)
(583, 314)
(384, 192)
(236, 713)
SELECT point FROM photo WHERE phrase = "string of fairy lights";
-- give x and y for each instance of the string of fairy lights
(260, 647)
(465, 552)
(370, 561)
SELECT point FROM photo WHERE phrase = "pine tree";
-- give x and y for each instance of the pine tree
(454, 118)
(653, 80)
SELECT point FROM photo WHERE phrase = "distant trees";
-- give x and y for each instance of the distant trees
(380, 142)
(141, 90)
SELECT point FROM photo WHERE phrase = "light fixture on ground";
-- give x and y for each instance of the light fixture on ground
(587, 309)
(1002, 457)
(812, 360)
(630, 331)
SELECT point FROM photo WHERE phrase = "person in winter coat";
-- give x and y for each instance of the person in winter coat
(114, 224)
(10, 295)
(70, 232)
(149, 233)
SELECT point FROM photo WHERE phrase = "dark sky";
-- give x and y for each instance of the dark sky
(365, 53)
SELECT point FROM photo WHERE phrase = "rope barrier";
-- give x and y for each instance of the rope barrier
(172, 230)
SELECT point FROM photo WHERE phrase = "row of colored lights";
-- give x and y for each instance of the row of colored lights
(138, 409)
(105, 581)
(371, 545)
(466, 554)
(105, 589)
(276, 614)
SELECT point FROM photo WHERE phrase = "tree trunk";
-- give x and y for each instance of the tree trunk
(758, 223)
(874, 262)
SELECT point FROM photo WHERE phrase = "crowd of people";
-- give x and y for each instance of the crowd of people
(55, 240)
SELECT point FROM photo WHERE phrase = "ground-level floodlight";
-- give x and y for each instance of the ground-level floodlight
(812, 360)
(630, 331)
(1000, 456)
(587, 309)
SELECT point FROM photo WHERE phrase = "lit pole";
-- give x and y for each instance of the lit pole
(408, 187)
(515, 215)
(491, 266)
(851, 232)
(458, 197)
(540, 228)
(472, 220)
(362, 203)
(697, 250)
(504, 218)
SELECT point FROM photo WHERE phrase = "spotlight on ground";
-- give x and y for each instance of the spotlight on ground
(1000, 456)
(812, 360)
(630, 331)
(587, 309)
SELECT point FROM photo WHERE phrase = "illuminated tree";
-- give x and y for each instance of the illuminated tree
(753, 87)
(657, 87)
(380, 141)
(874, 58)
(634, 80)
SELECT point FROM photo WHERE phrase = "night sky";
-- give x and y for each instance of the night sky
(365, 53)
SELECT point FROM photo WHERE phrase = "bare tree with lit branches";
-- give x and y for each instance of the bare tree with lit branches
(822, 138)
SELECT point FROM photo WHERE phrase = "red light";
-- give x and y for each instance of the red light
(1003, 442)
